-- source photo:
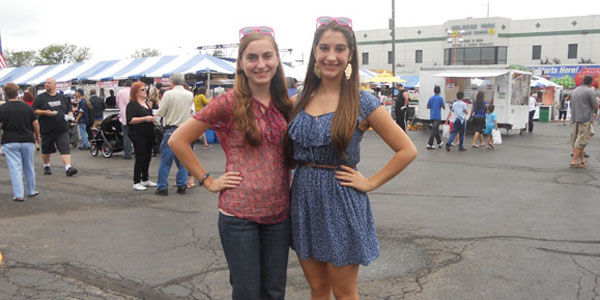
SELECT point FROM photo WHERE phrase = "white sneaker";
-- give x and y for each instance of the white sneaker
(139, 187)
(441, 144)
(148, 183)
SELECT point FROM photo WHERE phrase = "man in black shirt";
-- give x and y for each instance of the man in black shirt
(54, 111)
(96, 109)
(401, 106)
(111, 101)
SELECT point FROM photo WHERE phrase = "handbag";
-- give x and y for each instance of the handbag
(445, 131)
(496, 136)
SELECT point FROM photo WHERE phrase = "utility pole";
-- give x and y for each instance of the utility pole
(393, 34)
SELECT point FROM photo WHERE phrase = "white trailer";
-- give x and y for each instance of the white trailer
(507, 89)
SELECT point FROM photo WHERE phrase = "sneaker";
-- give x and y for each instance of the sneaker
(430, 147)
(139, 187)
(47, 170)
(161, 192)
(448, 147)
(181, 190)
(71, 171)
(127, 157)
(148, 183)
(462, 149)
(441, 144)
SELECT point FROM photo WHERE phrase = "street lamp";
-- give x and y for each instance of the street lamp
(455, 36)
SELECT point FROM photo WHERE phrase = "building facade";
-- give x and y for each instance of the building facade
(484, 41)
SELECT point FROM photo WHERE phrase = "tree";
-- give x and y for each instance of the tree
(60, 54)
(146, 52)
(20, 58)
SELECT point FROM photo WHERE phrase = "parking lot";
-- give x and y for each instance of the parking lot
(512, 223)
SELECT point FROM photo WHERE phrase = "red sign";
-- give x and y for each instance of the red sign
(163, 81)
(107, 84)
(585, 71)
(63, 86)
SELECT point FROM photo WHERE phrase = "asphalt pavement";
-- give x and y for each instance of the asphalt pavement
(511, 223)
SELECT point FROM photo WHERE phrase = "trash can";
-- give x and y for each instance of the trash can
(544, 113)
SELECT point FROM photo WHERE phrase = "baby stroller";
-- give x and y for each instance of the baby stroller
(108, 137)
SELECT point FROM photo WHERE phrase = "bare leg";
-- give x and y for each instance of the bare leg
(318, 280)
(66, 159)
(343, 281)
(46, 158)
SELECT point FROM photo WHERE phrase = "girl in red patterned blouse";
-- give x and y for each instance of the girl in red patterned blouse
(251, 124)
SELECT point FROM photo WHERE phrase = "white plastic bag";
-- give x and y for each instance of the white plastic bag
(445, 131)
(496, 137)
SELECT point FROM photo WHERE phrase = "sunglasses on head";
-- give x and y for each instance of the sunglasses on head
(266, 30)
(343, 21)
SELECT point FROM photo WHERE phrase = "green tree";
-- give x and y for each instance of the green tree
(20, 58)
(146, 52)
(62, 53)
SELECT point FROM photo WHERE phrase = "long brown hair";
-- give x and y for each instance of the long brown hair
(242, 112)
(346, 115)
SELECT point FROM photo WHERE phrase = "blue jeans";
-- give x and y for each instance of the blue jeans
(83, 134)
(166, 161)
(19, 158)
(257, 257)
(126, 141)
(458, 128)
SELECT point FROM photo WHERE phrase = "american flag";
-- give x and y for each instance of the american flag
(2, 60)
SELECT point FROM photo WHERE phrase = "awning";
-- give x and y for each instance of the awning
(162, 66)
(472, 73)
(411, 81)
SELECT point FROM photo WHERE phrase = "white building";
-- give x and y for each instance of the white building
(562, 41)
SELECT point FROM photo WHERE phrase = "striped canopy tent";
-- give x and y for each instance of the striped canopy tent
(105, 70)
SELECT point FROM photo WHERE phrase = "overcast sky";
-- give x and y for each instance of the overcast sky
(115, 29)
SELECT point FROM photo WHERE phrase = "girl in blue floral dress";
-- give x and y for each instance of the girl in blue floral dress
(332, 224)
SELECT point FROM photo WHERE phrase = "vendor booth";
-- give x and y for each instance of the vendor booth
(550, 95)
(507, 89)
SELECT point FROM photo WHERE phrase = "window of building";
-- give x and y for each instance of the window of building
(572, 51)
(472, 56)
(476, 56)
(487, 55)
(537, 52)
(365, 58)
(419, 56)
(501, 55)
(390, 57)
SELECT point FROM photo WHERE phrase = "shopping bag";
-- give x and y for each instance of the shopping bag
(496, 137)
(445, 131)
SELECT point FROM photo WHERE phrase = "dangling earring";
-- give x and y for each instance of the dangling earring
(348, 71)
(317, 71)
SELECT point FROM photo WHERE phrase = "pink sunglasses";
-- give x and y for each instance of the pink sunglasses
(339, 20)
(266, 30)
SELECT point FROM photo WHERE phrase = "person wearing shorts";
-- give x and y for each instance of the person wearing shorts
(584, 109)
(54, 112)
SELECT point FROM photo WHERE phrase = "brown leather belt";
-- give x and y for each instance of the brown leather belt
(330, 167)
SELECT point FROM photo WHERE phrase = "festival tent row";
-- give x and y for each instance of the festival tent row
(108, 70)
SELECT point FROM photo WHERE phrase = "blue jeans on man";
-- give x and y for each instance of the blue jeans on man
(458, 128)
(85, 143)
(126, 142)
(166, 160)
(19, 159)
(257, 257)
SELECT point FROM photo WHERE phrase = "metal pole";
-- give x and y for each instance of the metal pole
(454, 50)
(393, 39)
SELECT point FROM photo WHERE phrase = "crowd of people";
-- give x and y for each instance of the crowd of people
(266, 129)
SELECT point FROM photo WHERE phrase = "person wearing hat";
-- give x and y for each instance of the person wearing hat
(82, 119)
